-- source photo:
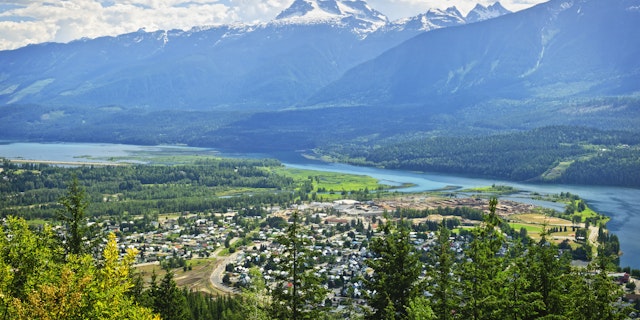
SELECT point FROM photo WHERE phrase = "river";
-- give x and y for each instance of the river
(621, 204)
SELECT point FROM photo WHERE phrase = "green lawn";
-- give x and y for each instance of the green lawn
(589, 213)
(494, 189)
(531, 228)
(557, 171)
(332, 180)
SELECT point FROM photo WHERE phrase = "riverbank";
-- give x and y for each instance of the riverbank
(620, 204)
(68, 163)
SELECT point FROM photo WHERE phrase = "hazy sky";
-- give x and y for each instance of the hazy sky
(33, 21)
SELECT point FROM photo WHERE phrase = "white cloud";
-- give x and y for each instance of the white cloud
(33, 21)
(18, 34)
(259, 10)
(66, 20)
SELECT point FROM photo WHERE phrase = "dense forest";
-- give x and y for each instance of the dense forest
(32, 190)
(551, 154)
(208, 185)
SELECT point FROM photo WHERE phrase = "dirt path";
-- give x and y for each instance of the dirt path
(593, 239)
(154, 263)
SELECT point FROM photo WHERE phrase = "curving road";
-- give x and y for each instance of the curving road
(218, 273)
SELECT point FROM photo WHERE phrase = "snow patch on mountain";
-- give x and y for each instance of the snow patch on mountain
(437, 18)
(481, 13)
(357, 14)
(430, 20)
(445, 18)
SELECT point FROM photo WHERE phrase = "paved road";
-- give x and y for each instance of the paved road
(218, 273)
(219, 270)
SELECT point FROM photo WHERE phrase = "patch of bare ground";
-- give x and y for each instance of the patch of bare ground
(536, 218)
(196, 279)
(420, 202)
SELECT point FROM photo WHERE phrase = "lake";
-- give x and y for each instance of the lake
(621, 204)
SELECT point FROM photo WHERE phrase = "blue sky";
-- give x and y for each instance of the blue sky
(24, 22)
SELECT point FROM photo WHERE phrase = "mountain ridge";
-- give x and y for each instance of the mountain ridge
(505, 56)
(299, 85)
(268, 65)
(481, 13)
(320, 11)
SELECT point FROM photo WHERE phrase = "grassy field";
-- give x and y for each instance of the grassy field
(531, 228)
(457, 230)
(332, 181)
(539, 219)
(38, 222)
(168, 155)
(494, 189)
(557, 171)
(535, 223)
(589, 213)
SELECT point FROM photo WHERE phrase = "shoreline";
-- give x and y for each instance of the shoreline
(618, 203)
(68, 163)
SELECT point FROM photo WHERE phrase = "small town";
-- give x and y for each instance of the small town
(222, 237)
(339, 232)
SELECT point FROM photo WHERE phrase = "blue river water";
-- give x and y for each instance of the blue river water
(621, 204)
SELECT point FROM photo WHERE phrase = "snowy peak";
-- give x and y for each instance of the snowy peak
(301, 8)
(445, 18)
(480, 12)
(315, 11)
(430, 20)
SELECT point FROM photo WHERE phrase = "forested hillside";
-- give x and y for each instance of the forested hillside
(550, 154)
(144, 189)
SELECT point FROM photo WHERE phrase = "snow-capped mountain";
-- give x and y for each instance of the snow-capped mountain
(552, 50)
(357, 14)
(258, 81)
(480, 12)
(396, 32)
(430, 20)
(269, 65)
(403, 29)
(438, 18)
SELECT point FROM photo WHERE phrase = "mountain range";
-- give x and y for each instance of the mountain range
(272, 65)
(559, 49)
(325, 70)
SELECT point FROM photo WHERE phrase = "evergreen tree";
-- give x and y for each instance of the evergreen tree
(419, 309)
(520, 301)
(480, 273)
(73, 217)
(108, 295)
(298, 294)
(396, 272)
(168, 300)
(593, 294)
(545, 272)
(443, 284)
